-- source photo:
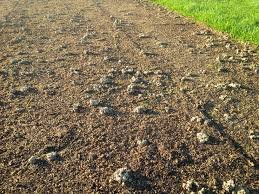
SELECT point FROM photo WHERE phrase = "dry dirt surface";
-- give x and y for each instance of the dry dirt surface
(112, 96)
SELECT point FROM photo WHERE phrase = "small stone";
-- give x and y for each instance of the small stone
(52, 156)
(122, 176)
(203, 137)
(191, 186)
(229, 186)
(107, 111)
(257, 71)
(94, 102)
(140, 110)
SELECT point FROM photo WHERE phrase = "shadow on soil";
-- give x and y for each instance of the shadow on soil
(220, 128)
(139, 182)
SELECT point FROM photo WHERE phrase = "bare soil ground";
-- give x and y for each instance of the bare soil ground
(61, 61)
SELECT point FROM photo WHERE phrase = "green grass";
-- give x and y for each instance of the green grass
(239, 18)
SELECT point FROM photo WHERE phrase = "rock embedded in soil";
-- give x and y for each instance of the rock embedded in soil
(203, 137)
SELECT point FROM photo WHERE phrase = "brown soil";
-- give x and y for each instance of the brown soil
(44, 37)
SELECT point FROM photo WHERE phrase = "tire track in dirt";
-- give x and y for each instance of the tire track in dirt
(181, 57)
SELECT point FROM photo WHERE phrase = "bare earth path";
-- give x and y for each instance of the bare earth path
(58, 56)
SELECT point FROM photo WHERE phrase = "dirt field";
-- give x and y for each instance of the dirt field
(164, 82)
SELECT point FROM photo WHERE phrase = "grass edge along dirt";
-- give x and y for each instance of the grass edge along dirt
(238, 18)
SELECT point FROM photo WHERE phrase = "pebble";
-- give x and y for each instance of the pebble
(107, 111)
(257, 71)
(94, 102)
(203, 137)
(229, 185)
(52, 156)
(122, 176)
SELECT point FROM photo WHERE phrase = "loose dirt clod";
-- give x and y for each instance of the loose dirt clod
(107, 96)
(203, 137)
(141, 110)
(77, 107)
(122, 176)
(191, 186)
(33, 160)
(229, 185)
(107, 111)
(94, 102)
(52, 156)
